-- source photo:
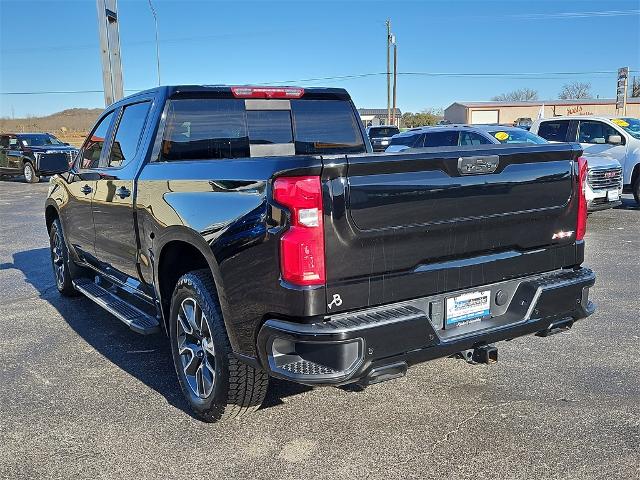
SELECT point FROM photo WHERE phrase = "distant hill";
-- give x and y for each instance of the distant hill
(78, 119)
(70, 125)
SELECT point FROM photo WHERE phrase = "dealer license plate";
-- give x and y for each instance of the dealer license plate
(384, 142)
(468, 308)
(612, 195)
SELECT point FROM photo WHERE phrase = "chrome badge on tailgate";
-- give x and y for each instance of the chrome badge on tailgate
(478, 165)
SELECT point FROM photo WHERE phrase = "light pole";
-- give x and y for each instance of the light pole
(155, 19)
(395, 78)
(388, 24)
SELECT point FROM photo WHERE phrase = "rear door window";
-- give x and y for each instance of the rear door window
(325, 127)
(472, 138)
(441, 139)
(408, 140)
(125, 143)
(554, 131)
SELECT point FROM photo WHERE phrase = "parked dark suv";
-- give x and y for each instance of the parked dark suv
(33, 154)
(380, 136)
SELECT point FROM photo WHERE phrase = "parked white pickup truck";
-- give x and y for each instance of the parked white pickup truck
(614, 138)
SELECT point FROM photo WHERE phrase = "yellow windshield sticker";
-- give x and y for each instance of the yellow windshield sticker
(502, 136)
(620, 122)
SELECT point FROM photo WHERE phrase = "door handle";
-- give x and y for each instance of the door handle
(86, 189)
(123, 192)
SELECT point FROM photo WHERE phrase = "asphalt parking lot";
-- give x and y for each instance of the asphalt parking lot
(81, 396)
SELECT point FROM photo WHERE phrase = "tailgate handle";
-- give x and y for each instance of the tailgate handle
(478, 165)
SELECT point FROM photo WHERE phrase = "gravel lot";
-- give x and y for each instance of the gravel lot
(81, 396)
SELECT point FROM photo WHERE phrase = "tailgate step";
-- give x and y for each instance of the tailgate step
(136, 319)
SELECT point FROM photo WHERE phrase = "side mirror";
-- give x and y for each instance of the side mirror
(614, 139)
(51, 164)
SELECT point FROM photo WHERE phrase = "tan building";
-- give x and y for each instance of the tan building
(509, 112)
(372, 117)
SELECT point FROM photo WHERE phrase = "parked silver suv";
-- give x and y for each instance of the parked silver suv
(613, 138)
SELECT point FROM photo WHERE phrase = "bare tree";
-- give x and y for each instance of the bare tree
(575, 90)
(520, 95)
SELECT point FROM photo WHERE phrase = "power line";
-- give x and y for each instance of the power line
(510, 75)
(571, 15)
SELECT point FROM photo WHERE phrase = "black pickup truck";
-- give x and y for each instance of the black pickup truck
(33, 155)
(255, 227)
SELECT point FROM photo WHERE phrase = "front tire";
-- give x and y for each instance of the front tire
(29, 173)
(215, 383)
(60, 260)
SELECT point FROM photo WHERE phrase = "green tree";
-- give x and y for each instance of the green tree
(421, 119)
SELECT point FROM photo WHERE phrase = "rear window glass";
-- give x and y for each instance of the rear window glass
(554, 131)
(269, 126)
(210, 128)
(198, 128)
(325, 126)
(407, 140)
(375, 132)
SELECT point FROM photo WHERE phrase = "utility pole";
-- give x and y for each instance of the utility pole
(388, 23)
(110, 50)
(395, 79)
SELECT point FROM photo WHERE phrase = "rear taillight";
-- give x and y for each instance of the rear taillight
(302, 246)
(267, 92)
(581, 226)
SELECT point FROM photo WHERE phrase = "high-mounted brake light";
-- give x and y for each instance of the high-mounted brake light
(581, 226)
(302, 246)
(267, 92)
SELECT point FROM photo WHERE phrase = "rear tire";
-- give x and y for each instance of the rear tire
(29, 173)
(214, 382)
(60, 261)
(636, 190)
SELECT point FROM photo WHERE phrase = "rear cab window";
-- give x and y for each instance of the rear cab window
(218, 128)
(383, 132)
(554, 131)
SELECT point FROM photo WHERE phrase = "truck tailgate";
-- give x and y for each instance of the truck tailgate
(410, 225)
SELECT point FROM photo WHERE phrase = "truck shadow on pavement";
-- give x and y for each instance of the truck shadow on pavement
(147, 358)
(628, 204)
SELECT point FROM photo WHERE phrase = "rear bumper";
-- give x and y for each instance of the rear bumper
(366, 345)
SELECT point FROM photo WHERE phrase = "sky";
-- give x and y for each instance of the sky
(448, 50)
